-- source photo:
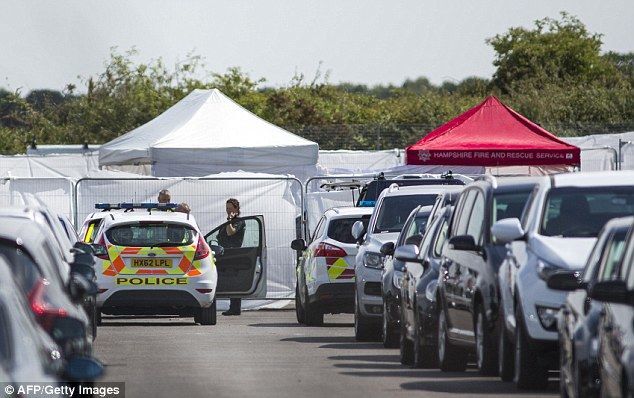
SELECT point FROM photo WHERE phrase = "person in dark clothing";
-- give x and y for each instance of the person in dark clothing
(231, 236)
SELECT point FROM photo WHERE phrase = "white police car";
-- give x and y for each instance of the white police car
(152, 262)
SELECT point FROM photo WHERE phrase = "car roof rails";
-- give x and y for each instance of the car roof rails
(341, 186)
(127, 206)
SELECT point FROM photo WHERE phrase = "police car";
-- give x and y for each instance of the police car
(325, 270)
(152, 262)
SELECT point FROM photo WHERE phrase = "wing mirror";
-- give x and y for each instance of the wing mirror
(80, 368)
(218, 250)
(407, 254)
(611, 292)
(387, 249)
(463, 242)
(565, 281)
(508, 230)
(358, 229)
(298, 245)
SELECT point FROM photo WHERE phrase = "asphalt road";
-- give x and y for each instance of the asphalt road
(267, 354)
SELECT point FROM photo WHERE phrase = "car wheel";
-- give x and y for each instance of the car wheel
(528, 372)
(93, 322)
(563, 379)
(299, 307)
(506, 353)
(406, 346)
(312, 313)
(364, 329)
(486, 355)
(207, 316)
(425, 356)
(390, 337)
(450, 358)
(98, 317)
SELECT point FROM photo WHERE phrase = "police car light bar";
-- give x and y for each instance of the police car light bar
(132, 206)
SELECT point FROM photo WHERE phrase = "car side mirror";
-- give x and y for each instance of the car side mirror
(463, 242)
(80, 368)
(218, 250)
(387, 249)
(298, 245)
(507, 230)
(84, 247)
(358, 229)
(407, 254)
(564, 281)
(611, 292)
(414, 240)
(80, 287)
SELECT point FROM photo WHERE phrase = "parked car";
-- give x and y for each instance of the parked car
(392, 273)
(370, 192)
(565, 215)
(325, 269)
(577, 323)
(615, 288)
(56, 304)
(467, 286)
(392, 209)
(418, 294)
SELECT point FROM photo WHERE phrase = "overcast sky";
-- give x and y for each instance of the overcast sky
(47, 44)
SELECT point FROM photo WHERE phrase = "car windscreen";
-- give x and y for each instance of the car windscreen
(395, 210)
(371, 192)
(148, 234)
(582, 212)
(340, 229)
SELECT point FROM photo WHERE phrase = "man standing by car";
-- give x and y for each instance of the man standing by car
(231, 235)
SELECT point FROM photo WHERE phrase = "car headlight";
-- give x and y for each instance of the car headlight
(397, 279)
(545, 270)
(548, 317)
(373, 260)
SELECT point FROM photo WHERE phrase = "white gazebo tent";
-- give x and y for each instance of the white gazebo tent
(206, 133)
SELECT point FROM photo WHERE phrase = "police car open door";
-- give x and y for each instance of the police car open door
(242, 266)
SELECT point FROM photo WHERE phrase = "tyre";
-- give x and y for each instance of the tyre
(425, 354)
(207, 316)
(528, 372)
(312, 313)
(563, 379)
(98, 317)
(364, 329)
(506, 353)
(486, 347)
(406, 346)
(299, 307)
(389, 334)
(93, 322)
(450, 358)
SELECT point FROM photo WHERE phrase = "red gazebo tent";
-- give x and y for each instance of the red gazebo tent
(492, 134)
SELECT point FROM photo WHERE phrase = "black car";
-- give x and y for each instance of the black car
(615, 288)
(468, 285)
(578, 320)
(392, 273)
(371, 191)
(418, 296)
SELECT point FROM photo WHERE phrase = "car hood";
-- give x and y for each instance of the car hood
(570, 253)
(375, 241)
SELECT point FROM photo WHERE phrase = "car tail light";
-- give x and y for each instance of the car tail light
(328, 250)
(202, 249)
(44, 312)
(104, 255)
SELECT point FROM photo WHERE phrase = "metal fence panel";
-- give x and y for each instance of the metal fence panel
(54, 192)
(597, 159)
(274, 198)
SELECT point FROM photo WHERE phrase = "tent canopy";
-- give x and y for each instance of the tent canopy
(491, 134)
(204, 130)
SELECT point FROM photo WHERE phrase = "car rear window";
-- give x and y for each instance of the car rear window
(151, 234)
(582, 212)
(340, 229)
(395, 210)
(370, 193)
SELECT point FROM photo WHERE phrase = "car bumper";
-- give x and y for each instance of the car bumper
(334, 298)
(368, 286)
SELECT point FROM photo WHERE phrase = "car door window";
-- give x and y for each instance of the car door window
(5, 338)
(476, 219)
(612, 256)
(440, 239)
(91, 231)
(319, 229)
(249, 237)
(462, 220)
